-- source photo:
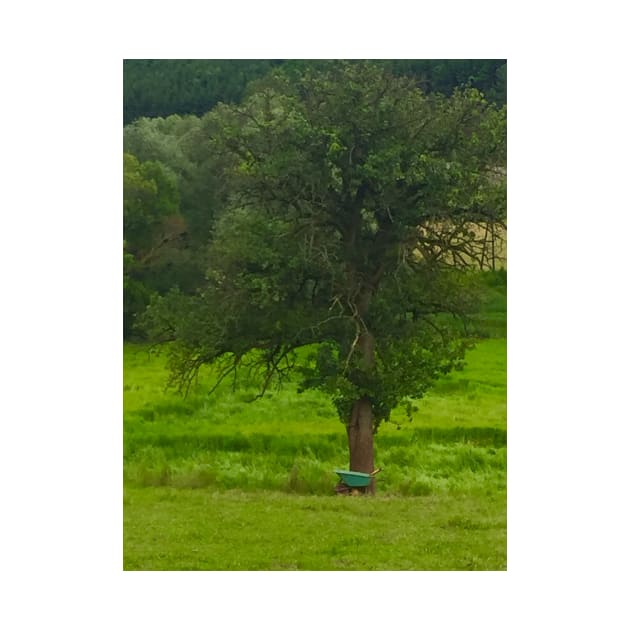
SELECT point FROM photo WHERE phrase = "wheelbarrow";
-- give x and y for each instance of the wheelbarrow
(351, 481)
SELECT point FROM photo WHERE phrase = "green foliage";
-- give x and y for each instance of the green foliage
(136, 297)
(160, 87)
(178, 143)
(152, 228)
(445, 75)
(490, 321)
(150, 193)
(349, 214)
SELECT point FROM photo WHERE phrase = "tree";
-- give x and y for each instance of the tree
(179, 143)
(151, 227)
(354, 215)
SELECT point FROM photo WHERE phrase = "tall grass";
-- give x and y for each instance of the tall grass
(419, 470)
(292, 442)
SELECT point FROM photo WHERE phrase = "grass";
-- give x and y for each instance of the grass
(218, 483)
(292, 442)
(188, 530)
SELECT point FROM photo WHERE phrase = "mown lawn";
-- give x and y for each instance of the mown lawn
(169, 529)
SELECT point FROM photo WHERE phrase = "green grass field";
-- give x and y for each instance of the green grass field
(182, 529)
(219, 483)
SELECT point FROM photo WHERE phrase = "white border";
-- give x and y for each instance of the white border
(568, 134)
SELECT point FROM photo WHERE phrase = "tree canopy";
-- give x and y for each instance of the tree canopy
(350, 214)
(179, 143)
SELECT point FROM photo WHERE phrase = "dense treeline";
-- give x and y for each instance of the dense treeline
(173, 187)
(155, 87)
(159, 87)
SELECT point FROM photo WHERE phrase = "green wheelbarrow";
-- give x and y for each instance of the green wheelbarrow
(351, 481)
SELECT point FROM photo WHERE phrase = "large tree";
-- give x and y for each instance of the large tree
(357, 205)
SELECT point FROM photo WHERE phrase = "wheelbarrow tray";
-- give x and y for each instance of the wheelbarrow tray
(354, 479)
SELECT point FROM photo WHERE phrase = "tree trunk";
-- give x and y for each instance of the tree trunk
(360, 428)
(361, 440)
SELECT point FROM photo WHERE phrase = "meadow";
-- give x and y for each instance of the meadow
(220, 483)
